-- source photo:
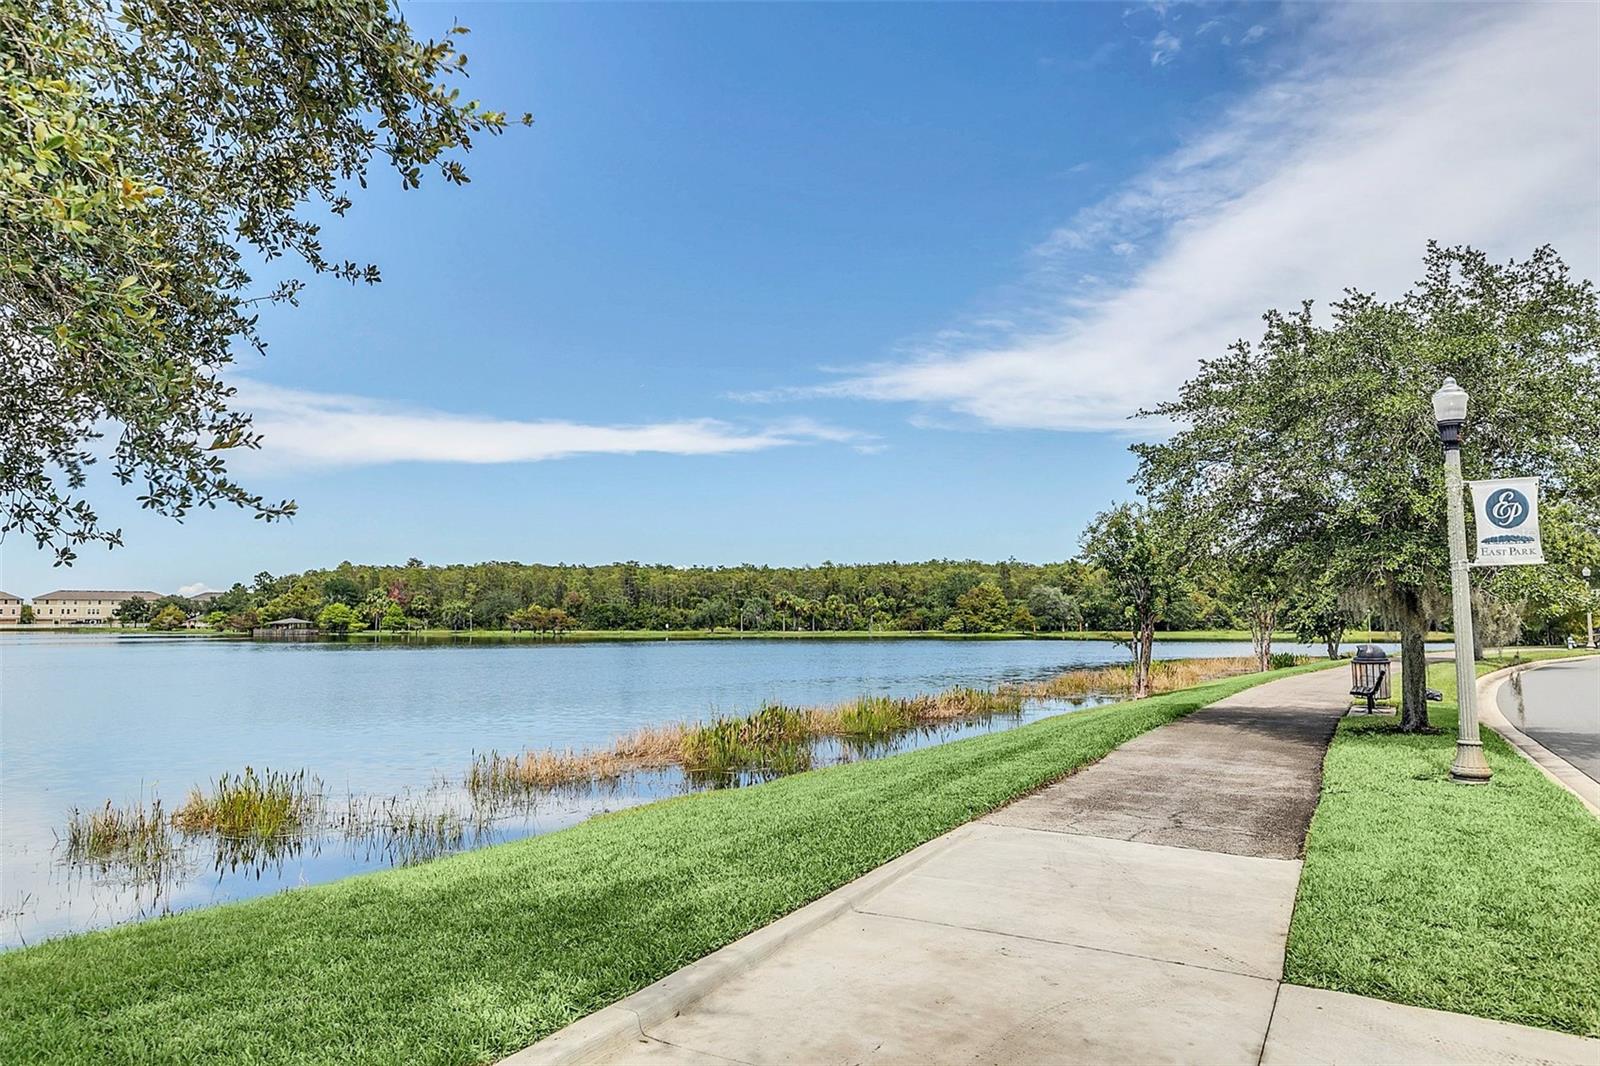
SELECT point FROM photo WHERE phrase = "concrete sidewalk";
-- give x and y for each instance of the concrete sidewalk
(1134, 912)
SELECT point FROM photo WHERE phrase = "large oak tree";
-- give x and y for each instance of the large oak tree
(151, 151)
(1319, 442)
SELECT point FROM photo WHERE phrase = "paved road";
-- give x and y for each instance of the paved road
(1135, 912)
(1559, 706)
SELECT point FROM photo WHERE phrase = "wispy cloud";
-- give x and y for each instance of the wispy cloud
(1396, 125)
(1164, 48)
(302, 428)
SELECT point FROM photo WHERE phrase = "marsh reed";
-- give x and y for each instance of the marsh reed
(271, 805)
(136, 837)
(646, 748)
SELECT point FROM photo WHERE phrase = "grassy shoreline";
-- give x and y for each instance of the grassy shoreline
(474, 956)
(1477, 899)
(625, 635)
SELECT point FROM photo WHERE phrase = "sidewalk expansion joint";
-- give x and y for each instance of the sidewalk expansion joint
(1266, 1036)
(1066, 943)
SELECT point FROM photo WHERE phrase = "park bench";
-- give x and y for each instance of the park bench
(1369, 691)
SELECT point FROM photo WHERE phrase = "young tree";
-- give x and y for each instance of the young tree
(455, 613)
(983, 608)
(374, 606)
(1053, 607)
(532, 617)
(168, 618)
(1149, 555)
(244, 621)
(1321, 439)
(25, 616)
(1262, 588)
(336, 618)
(755, 614)
(150, 150)
(133, 611)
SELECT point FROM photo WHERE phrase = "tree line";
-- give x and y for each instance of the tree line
(952, 596)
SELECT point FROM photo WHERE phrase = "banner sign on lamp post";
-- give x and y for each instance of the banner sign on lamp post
(1506, 514)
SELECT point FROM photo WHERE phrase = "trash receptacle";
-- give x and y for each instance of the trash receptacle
(1369, 672)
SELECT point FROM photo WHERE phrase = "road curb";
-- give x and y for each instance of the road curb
(607, 1032)
(1548, 762)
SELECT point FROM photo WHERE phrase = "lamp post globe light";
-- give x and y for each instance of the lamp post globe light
(1450, 411)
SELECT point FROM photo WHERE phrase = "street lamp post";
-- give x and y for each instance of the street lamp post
(1450, 410)
(1590, 612)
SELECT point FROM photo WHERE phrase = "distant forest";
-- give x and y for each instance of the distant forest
(939, 595)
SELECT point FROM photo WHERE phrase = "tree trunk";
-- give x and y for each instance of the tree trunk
(1413, 663)
(1144, 641)
(1262, 619)
(1335, 639)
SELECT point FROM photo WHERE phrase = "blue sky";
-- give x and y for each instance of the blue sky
(786, 283)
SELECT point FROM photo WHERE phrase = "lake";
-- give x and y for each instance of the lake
(87, 718)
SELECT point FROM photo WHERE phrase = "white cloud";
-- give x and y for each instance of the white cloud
(1253, 34)
(302, 428)
(1164, 48)
(1397, 124)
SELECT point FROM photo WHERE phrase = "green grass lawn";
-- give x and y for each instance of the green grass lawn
(1479, 899)
(471, 957)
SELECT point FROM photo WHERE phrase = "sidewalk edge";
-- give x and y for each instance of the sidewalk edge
(1548, 762)
(609, 1030)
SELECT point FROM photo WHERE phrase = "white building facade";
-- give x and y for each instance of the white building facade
(83, 607)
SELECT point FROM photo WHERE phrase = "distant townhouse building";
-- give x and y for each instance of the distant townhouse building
(10, 609)
(83, 607)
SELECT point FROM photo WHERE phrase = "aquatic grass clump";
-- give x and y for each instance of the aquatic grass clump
(973, 703)
(492, 772)
(646, 748)
(266, 806)
(135, 837)
(776, 738)
(875, 716)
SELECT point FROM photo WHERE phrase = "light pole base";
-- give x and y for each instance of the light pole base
(1470, 768)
